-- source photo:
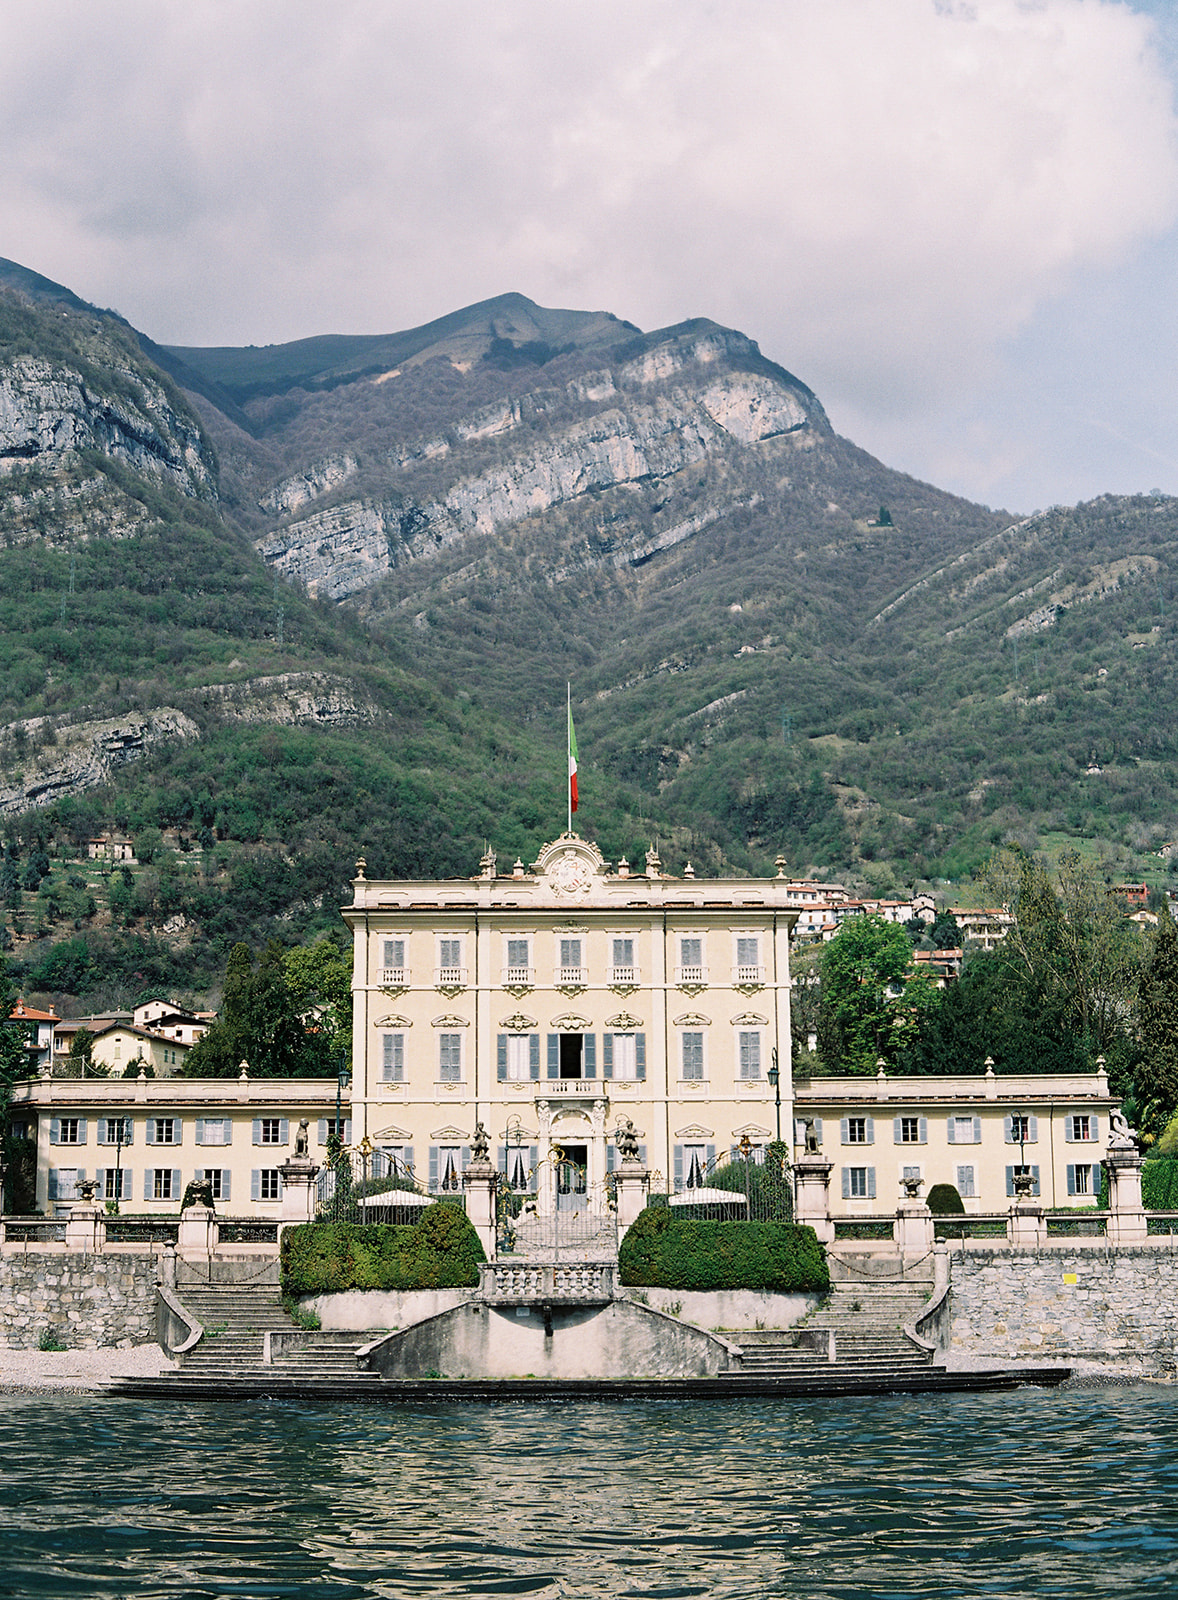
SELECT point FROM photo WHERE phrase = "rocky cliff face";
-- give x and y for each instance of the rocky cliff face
(639, 424)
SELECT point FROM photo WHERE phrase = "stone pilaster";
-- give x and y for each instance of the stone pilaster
(812, 1196)
(299, 1191)
(631, 1185)
(914, 1233)
(1025, 1227)
(479, 1182)
(1126, 1213)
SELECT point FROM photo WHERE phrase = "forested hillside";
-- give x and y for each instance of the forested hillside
(265, 610)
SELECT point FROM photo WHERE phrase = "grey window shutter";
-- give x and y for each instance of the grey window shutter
(799, 1131)
(924, 1130)
(1097, 1179)
(897, 1130)
(225, 1179)
(844, 1130)
(870, 1121)
(255, 1184)
(81, 1130)
(677, 1168)
(642, 1154)
(100, 1178)
(176, 1189)
(501, 1158)
(54, 1133)
(952, 1130)
(227, 1130)
(977, 1130)
(534, 1057)
(640, 1056)
(817, 1130)
(407, 1159)
(1008, 1130)
(433, 1168)
(1095, 1128)
(554, 1055)
(280, 1186)
(321, 1131)
(199, 1135)
(501, 1057)
(1009, 1181)
(1034, 1180)
(1033, 1130)
(199, 1175)
(710, 1156)
(1071, 1177)
(611, 1153)
(257, 1134)
(464, 1158)
(147, 1184)
(846, 1183)
(607, 1055)
(533, 1167)
(589, 1056)
(284, 1131)
(1067, 1130)
(871, 1183)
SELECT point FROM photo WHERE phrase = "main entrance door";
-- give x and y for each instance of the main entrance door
(571, 1178)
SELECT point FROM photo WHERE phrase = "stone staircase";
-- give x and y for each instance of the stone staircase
(866, 1322)
(232, 1349)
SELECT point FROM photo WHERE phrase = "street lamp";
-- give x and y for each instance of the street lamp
(775, 1080)
(343, 1078)
(120, 1135)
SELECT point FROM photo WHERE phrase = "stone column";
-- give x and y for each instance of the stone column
(1025, 1227)
(632, 1185)
(914, 1228)
(1126, 1214)
(197, 1233)
(812, 1196)
(85, 1228)
(479, 1182)
(299, 1191)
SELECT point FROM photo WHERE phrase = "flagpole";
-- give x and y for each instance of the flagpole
(568, 765)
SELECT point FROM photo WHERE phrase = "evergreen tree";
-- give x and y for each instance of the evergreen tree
(260, 1023)
(866, 1011)
(1156, 1076)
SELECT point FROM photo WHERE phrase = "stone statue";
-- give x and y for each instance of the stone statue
(1121, 1135)
(627, 1140)
(811, 1137)
(480, 1143)
(198, 1193)
(303, 1140)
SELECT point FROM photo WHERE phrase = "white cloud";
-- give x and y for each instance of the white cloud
(883, 192)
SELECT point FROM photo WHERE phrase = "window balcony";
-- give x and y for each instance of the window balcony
(450, 978)
(755, 974)
(623, 974)
(394, 977)
(570, 975)
(518, 977)
(691, 975)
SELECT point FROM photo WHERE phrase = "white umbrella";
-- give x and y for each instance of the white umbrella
(398, 1197)
(709, 1197)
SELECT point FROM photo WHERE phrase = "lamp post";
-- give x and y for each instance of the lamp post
(343, 1078)
(775, 1080)
(120, 1133)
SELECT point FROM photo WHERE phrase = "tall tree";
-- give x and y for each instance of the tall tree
(260, 1023)
(866, 1009)
(1156, 1076)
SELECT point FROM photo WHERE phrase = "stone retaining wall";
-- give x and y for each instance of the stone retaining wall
(1117, 1308)
(86, 1301)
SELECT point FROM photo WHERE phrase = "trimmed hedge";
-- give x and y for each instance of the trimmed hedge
(442, 1251)
(663, 1251)
(1159, 1185)
(944, 1201)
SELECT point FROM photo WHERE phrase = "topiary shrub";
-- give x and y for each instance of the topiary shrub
(441, 1251)
(944, 1201)
(663, 1251)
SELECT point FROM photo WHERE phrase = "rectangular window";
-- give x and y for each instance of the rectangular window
(693, 1057)
(519, 961)
(393, 958)
(856, 1130)
(750, 1055)
(519, 1056)
(858, 1183)
(623, 961)
(271, 1130)
(748, 960)
(450, 1057)
(450, 961)
(912, 1173)
(161, 1184)
(218, 1182)
(1081, 1133)
(447, 1177)
(392, 1064)
(570, 961)
(70, 1127)
(1020, 1130)
(965, 1130)
(625, 1057)
(269, 1184)
(965, 1183)
(1011, 1172)
(214, 1130)
(116, 1184)
(161, 1130)
(114, 1130)
(696, 1166)
(691, 961)
(62, 1183)
(1082, 1183)
(909, 1130)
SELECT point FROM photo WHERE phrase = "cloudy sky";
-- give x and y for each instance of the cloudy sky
(956, 220)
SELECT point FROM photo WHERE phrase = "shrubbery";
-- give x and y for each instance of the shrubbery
(442, 1251)
(1159, 1185)
(663, 1251)
(944, 1201)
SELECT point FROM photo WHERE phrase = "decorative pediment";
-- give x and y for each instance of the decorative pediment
(518, 1023)
(754, 1131)
(448, 1135)
(565, 928)
(570, 1022)
(569, 867)
(624, 1022)
(449, 1021)
(694, 1131)
(393, 1022)
(397, 1135)
(692, 1019)
(750, 1019)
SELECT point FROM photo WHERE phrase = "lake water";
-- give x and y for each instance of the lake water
(1070, 1492)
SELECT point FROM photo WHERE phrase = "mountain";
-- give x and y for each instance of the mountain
(281, 605)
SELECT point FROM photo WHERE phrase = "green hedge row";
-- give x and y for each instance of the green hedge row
(442, 1251)
(663, 1251)
(1159, 1185)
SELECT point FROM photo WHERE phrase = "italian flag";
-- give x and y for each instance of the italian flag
(572, 764)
